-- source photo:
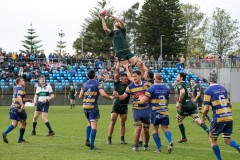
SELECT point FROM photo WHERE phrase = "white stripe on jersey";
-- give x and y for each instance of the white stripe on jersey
(41, 91)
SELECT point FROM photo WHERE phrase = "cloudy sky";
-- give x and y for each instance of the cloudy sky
(50, 16)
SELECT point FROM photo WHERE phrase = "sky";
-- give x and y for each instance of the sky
(49, 17)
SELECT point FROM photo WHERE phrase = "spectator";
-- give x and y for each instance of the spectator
(192, 62)
(20, 72)
(101, 58)
(14, 56)
(42, 57)
(182, 61)
(32, 57)
(98, 64)
(50, 57)
(1, 59)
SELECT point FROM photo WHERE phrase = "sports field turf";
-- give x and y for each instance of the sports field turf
(69, 141)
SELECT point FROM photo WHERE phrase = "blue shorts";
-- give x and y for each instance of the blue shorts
(217, 128)
(141, 115)
(159, 119)
(18, 116)
(92, 115)
(42, 107)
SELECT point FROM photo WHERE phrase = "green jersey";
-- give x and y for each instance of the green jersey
(188, 91)
(119, 40)
(72, 93)
(120, 88)
(197, 88)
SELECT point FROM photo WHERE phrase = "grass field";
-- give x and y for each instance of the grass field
(69, 141)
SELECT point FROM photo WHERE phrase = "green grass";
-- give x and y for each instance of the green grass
(69, 141)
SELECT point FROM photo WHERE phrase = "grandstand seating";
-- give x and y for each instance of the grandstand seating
(62, 78)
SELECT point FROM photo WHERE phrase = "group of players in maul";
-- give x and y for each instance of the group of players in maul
(150, 99)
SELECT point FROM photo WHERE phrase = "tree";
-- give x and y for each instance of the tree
(93, 36)
(223, 33)
(61, 44)
(158, 18)
(30, 44)
(131, 20)
(192, 20)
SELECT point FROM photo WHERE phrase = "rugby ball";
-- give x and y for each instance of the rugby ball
(103, 12)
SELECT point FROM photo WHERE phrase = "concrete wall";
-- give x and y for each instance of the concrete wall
(228, 77)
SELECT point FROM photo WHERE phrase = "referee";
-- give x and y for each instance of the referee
(44, 94)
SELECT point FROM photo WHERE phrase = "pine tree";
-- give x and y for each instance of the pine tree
(31, 44)
(94, 38)
(61, 44)
(160, 18)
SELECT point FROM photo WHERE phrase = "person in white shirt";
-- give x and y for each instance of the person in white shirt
(44, 94)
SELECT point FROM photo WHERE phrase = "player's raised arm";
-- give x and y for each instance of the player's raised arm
(117, 19)
(105, 95)
(116, 76)
(129, 73)
(105, 28)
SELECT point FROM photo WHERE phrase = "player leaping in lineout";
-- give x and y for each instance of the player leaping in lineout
(118, 35)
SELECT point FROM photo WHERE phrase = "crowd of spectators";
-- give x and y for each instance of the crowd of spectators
(30, 65)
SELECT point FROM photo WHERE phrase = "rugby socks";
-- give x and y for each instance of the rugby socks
(168, 136)
(182, 130)
(122, 138)
(157, 140)
(93, 136)
(110, 138)
(88, 132)
(48, 126)
(22, 131)
(204, 127)
(208, 118)
(233, 144)
(9, 129)
(73, 105)
(34, 126)
(216, 151)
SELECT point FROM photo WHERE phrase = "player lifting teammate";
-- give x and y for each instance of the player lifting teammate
(141, 111)
(216, 97)
(118, 35)
(119, 107)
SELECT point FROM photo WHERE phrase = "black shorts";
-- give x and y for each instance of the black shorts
(72, 98)
(199, 104)
(42, 107)
(120, 109)
(188, 109)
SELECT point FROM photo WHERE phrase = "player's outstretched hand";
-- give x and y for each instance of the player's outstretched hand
(100, 16)
(125, 65)
(111, 97)
(108, 14)
(116, 95)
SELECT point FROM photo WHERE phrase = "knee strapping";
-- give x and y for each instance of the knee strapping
(136, 124)
(179, 118)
